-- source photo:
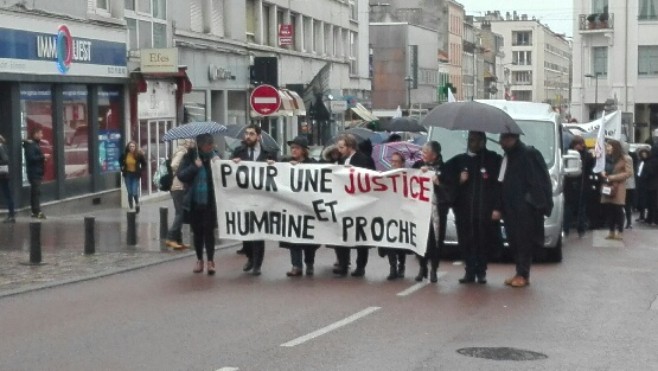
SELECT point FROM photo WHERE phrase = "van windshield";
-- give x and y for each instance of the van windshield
(539, 134)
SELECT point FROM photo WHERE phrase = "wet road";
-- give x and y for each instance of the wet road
(595, 311)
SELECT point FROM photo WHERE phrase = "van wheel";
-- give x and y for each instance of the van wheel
(554, 255)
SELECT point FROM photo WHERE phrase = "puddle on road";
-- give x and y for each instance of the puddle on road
(501, 354)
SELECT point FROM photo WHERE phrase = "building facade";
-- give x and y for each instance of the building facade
(453, 69)
(615, 62)
(63, 70)
(539, 61)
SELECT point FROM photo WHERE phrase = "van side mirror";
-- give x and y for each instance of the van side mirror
(573, 165)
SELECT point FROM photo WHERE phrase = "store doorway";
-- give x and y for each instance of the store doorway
(155, 150)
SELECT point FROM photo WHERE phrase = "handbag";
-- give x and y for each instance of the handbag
(609, 190)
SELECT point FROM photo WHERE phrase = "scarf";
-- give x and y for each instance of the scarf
(201, 181)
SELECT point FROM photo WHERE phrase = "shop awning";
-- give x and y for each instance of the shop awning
(182, 80)
(363, 113)
(299, 107)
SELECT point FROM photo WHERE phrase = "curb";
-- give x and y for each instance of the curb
(110, 273)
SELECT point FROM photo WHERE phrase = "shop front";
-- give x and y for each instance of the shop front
(69, 80)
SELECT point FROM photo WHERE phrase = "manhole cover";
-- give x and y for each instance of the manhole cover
(502, 354)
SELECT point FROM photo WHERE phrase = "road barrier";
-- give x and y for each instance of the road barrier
(35, 243)
(90, 236)
(164, 223)
(131, 238)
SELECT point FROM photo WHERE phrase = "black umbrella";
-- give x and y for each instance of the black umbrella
(405, 124)
(237, 132)
(473, 116)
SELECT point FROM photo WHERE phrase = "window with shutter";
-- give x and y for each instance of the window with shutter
(217, 26)
(196, 16)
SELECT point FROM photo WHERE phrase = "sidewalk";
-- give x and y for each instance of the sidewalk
(62, 246)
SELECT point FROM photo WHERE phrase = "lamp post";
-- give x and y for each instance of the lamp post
(595, 76)
(409, 81)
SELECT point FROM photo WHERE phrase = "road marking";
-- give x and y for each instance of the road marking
(228, 369)
(418, 286)
(654, 305)
(333, 326)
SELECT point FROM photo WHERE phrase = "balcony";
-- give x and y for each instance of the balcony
(596, 22)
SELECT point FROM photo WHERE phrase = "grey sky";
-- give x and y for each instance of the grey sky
(557, 14)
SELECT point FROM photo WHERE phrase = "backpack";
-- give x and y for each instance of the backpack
(164, 177)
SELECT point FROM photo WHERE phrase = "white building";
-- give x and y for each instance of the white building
(616, 43)
(538, 60)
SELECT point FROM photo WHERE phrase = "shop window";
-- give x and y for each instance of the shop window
(37, 113)
(75, 135)
(129, 4)
(109, 128)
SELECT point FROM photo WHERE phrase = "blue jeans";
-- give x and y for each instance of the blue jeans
(132, 184)
(9, 200)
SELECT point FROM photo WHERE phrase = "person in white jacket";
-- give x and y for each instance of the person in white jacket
(175, 235)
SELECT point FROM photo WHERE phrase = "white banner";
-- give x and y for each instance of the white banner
(323, 204)
(611, 126)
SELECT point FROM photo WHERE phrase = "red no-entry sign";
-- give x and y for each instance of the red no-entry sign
(265, 100)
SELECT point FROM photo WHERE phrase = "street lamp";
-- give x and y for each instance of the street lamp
(595, 76)
(409, 81)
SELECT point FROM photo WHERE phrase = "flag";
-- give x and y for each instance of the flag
(398, 113)
(451, 97)
(599, 148)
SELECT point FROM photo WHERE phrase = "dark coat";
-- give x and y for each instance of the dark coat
(650, 171)
(359, 159)
(576, 188)
(140, 165)
(242, 153)
(288, 245)
(187, 171)
(526, 187)
(480, 194)
(4, 160)
(444, 191)
(34, 160)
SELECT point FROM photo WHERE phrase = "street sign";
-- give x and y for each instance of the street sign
(285, 34)
(338, 106)
(265, 100)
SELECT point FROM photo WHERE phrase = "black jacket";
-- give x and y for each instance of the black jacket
(526, 183)
(34, 160)
(187, 171)
(480, 194)
(140, 165)
(242, 153)
(359, 159)
(444, 191)
(575, 188)
(4, 160)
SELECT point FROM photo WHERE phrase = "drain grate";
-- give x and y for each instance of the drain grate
(502, 354)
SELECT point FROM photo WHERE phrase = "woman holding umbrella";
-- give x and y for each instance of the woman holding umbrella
(432, 160)
(199, 202)
(299, 154)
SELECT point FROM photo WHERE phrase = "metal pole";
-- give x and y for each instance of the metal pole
(596, 94)
(90, 238)
(164, 223)
(131, 237)
(35, 243)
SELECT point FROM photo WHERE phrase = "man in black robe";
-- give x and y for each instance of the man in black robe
(526, 198)
(476, 195)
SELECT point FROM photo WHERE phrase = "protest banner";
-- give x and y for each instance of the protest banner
(323, 204)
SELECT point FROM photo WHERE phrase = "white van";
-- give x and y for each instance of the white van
(543, 130)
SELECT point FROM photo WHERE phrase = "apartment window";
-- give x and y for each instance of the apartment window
(521, 38)
(599, 6)
(147, 25)
(354, 52)
(328, 39)
(522, 95)
(522, 58)
(251, 21)
(648, 10)
(336, 52)
(317, 37)
(600, 60)
(308, 34)
(217, 26)
(266, 25)
(354, 10)
(522, 77)
(647, 61)
(103, 4)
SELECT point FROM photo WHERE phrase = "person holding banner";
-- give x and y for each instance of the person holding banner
(299, 154)
(613, 190)
(252, 150)
(432, 160)
(199, 203)
(397, 258)
(347, 146)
